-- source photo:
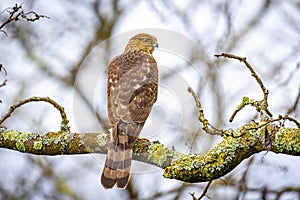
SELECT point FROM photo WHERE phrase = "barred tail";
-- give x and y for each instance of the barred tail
(118, 161)
(117, 167)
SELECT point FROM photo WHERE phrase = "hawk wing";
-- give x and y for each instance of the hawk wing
(132, 87)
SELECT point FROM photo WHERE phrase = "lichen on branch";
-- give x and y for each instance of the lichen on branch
(229, 153)
(220, 160)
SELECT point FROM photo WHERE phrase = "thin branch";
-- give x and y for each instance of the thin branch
(193, 196)
(17, 12)
(64, 123)
(2, 69)
(280, 117)
(246, 101)
(5, 79)
(293, 108)
(202, 119)
(254, 21)
(162, 194)
(292, 120)
(204, 193)
(243, 188)
(253, 73)
(59, 182)
(261, 106)
(277, 192)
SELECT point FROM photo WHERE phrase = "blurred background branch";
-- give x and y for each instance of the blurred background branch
(17, 13)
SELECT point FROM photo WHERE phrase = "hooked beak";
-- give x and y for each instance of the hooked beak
(155, 45)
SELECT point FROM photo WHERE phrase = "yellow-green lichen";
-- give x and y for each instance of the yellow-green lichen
(22, 137)
(52, 137)
(177, 155)
(218, 161)
(20, 146)
(187, 168)
(101, 140)
(245, 101)
(18, 137)
(288, 139)
(61, 140)
(10, 135)
(157, 153)
(37, 145)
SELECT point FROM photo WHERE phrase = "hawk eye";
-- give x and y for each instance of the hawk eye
(146, 40)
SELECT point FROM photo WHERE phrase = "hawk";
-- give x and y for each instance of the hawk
(131, 92)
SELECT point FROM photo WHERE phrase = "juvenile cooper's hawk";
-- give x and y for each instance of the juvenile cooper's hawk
(131, 92)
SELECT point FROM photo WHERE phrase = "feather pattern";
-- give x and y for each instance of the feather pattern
(131, 92)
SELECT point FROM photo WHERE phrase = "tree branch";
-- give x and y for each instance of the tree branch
(225, 156)
(2, 69)
(261, 106)
(64, 123)
(220, 160)
(17, 12)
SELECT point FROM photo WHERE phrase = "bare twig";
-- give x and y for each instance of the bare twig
(64, 123)
(280, 117)
(278, 193)
(246, 101)
(293, 108)
(204, 193)
(17, 12)
(5, 75)
(243, 186)
(261, 106)
(59, 182)
(202, 119)
(162, 194)
(193, 196)
(292, 120)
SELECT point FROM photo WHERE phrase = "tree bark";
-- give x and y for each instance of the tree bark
(223, 158)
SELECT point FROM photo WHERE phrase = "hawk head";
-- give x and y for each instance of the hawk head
(142, 42)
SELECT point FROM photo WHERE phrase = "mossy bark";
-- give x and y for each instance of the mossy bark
(224, 157)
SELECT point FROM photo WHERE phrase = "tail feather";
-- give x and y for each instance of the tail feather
(118, 161)
(117, 168)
